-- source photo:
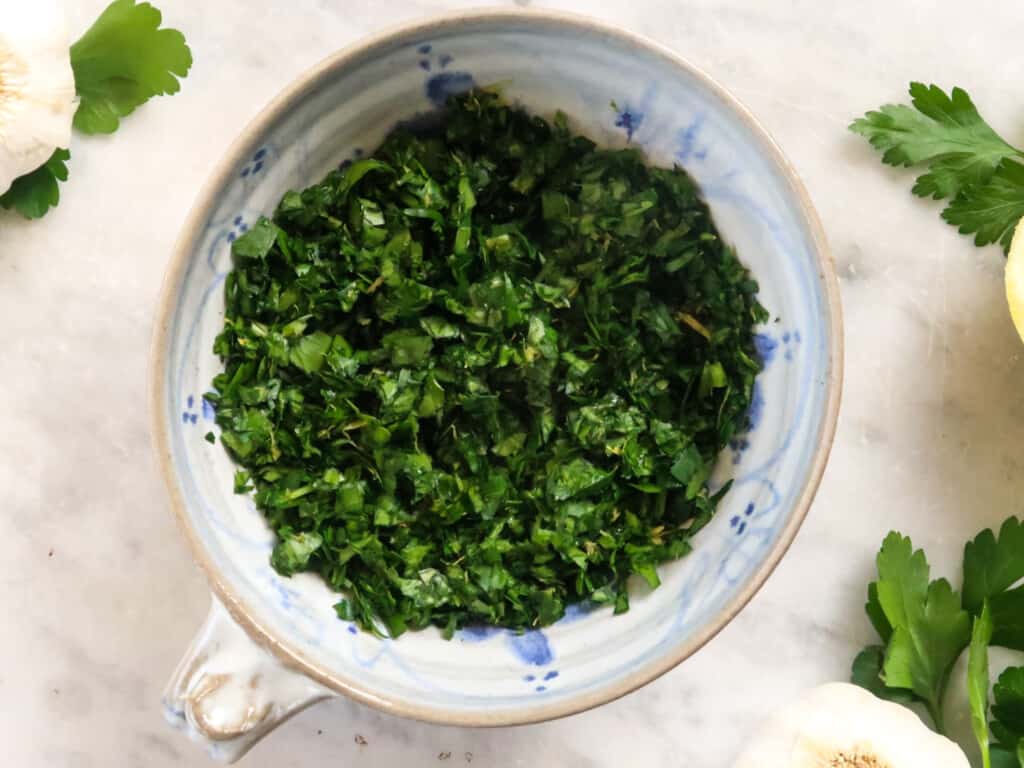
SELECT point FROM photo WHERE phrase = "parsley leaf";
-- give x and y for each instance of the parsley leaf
(484, 374)
(966, 160)
(867, 673)
(990, 211)
(925, 627)
(977, 681)
(33, 194)
(873, 608)
(930, 629)
(292, 552)
(1008, 618)
(903, 579)
(1008, 710)
(310, 352)
(946, 133)
(257, 242)
(992, 565)
(122, 61)
(1004, 758)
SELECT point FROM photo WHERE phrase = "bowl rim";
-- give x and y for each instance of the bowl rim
(285, 651)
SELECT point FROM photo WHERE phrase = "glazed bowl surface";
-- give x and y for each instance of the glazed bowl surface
(619, 90)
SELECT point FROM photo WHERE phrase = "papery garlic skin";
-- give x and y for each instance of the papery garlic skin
(840, 725)
(37, 86)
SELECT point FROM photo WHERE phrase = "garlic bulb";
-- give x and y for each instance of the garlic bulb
(37, 86)
(843, 726)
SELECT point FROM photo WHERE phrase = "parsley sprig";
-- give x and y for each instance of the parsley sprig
(966, 161)
(123, 61)
(120, 63)
(925, 625)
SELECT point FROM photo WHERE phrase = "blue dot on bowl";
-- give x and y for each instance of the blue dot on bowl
(629, 120)
(765, 346)
(444, 84)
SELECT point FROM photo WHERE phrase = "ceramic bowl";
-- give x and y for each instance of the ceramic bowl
(273, 645)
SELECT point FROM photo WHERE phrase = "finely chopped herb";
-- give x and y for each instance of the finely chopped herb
(485, 373)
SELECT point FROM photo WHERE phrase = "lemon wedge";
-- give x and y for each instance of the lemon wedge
(1015, 278)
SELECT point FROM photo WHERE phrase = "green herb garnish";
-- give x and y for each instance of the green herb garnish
(33, 194)
(967, 162)
(124, 59)
(925, 626)
(978, 682)
(1008, 711)
(485, 374)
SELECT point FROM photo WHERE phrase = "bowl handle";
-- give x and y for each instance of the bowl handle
(228, 693)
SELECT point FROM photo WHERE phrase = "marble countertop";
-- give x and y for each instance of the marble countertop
(99, 597)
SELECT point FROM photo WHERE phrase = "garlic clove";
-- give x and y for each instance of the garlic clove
(843, 726)
(37, 86)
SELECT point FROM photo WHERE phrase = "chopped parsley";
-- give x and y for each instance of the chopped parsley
(485, 373)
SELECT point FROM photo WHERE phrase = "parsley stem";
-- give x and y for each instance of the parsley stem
(937, 715)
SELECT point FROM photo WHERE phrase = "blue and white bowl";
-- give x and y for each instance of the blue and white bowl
(272, 644)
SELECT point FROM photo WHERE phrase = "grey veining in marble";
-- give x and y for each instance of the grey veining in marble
(99, 597)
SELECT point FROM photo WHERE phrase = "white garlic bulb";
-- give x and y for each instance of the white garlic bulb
(840, 725)
(37, 86)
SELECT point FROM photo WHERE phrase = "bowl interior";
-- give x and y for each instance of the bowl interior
(616, 90)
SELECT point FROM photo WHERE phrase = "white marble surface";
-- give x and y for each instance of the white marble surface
(99, 597)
